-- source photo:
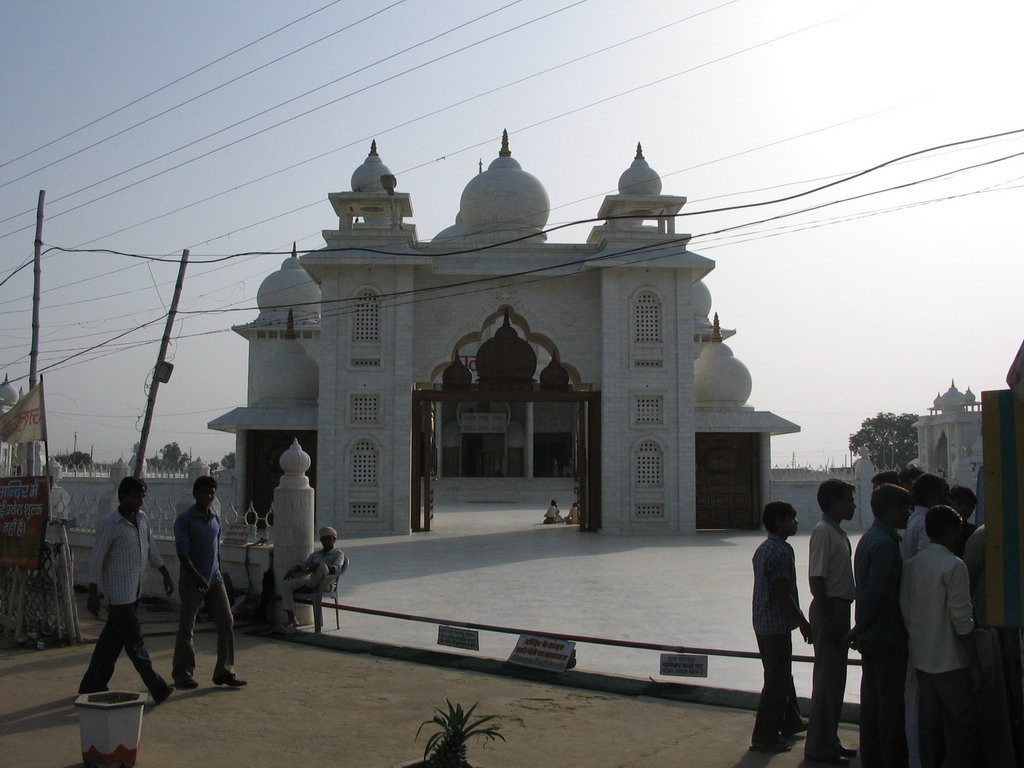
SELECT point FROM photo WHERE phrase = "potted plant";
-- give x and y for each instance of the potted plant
(447, 747)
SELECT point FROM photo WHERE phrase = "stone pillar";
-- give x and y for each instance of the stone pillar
(863, 469)
(294, 537)
(60, 499)
(108, 500)
(528, 443)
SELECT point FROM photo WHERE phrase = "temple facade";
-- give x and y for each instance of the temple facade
(488, 357)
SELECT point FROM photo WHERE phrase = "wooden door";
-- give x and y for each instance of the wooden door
(728, 480)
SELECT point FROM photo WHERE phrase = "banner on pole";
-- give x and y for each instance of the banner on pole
(24, 510)
(26, 421)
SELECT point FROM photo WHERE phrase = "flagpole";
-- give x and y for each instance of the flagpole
(30, 464)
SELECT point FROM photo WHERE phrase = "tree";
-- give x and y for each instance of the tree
(171, 457)
(74, 459)
(228, 461)
(891, 440)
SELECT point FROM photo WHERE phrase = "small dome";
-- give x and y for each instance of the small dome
(506, 360)
(456, 375)
(719, 378)
(295, 461)
(456, 231)
(288, 289)
(701, 299)
(287, 374)
(504, 202)
(640, 178)
(366, 178)
(953, 398)
(969, 397)
(8, 394)
(554, 376)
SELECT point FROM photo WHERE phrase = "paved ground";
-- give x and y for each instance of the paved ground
(351, 703)
(498, 565)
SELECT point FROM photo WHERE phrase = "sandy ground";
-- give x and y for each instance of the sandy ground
(308, 705)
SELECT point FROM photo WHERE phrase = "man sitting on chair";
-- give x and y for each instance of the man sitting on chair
(309, 576)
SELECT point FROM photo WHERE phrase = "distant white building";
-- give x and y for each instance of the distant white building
(488, 358)
(10, 453)
(949, 437)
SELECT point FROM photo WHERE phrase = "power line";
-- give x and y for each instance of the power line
(662, 246)
(403, 124)
(287, 120)
(158, 90)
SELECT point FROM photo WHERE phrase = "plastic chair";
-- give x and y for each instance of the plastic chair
(329, 588)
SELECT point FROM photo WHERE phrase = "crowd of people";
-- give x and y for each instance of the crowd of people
(906, 601)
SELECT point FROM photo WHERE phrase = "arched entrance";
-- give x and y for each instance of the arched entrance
(587, 448)
(481, 445)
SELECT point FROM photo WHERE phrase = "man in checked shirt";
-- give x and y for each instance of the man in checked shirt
(123, 543)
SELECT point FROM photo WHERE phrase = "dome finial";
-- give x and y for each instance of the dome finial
(505, 151)
(716, 330)
(289, 332)
(480, 166)
(373, 148)
(295, 253)
(639, 152)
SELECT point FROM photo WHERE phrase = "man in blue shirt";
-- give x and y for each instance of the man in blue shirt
(879, 633)
(776, 613)
(197, 542)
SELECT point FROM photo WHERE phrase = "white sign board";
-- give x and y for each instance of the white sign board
(684, 665)
(236, 534)
(542, 653)
(458, 638)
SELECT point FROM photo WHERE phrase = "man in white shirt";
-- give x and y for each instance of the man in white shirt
(831, 580)
(927, 491)
(935, 600)
(124, 542)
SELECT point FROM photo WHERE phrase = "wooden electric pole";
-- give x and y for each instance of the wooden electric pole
(162, 371)
(33, 366)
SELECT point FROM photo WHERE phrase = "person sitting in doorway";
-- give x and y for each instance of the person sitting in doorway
(552, 515)
(573, 518)
(307, 577)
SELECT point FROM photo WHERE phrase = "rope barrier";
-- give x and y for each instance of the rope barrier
(563, 636)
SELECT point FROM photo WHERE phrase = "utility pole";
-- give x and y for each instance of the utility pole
(162, 371)
(33, 366)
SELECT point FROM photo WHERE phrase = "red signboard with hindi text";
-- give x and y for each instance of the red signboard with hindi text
(24, 510)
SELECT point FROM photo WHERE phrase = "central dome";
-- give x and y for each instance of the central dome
(504, 202)
(506, 360)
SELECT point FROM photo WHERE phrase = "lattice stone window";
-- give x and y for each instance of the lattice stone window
(649, 511)
(366, 326)
(648, 409)
(362, 509)
(647, 318)
(648, 464)
(648, 363)
(365, 408)
(364, 463)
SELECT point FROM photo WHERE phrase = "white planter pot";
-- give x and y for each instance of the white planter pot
(111, 724)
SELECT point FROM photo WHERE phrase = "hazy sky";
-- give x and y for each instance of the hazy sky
(222, 127)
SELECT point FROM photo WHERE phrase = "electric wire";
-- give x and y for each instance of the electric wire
(385, 131)
(278, 124)
(168, 85)
(660, 246)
